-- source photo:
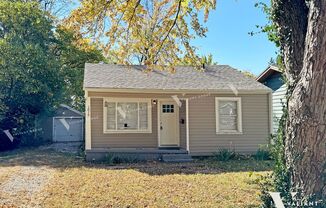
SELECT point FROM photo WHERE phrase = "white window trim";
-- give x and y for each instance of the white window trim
(239, 116)
(138, 100)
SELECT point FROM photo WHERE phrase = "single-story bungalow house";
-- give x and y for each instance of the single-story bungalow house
(272, 77)
(129, 110)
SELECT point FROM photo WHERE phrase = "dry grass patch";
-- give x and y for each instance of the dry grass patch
(89, 187)
(6, 172)
(75, 183)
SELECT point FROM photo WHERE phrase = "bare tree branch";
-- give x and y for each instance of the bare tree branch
(172, 26)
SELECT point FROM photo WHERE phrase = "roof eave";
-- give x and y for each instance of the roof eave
(222, 91)
(266, 72)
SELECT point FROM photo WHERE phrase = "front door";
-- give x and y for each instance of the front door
(169, 124)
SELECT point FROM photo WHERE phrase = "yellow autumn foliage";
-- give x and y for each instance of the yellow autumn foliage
(146, 32)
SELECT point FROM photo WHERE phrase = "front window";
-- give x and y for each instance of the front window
(127, 115)
(228, 115)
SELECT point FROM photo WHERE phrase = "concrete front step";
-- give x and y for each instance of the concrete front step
(176, 158)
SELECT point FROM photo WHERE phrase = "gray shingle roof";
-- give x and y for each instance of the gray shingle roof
(218, 77)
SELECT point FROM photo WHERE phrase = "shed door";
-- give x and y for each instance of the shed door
(68, 129)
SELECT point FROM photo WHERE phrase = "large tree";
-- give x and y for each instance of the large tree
(73, 52)
(148, 32)
(301, 34)
(30, 79)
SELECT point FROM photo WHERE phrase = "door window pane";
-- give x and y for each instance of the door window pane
(168, 108)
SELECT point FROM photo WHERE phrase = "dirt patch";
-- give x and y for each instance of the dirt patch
(65, 147)
(24, 186)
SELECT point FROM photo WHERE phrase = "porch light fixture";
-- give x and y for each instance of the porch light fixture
(154, 102)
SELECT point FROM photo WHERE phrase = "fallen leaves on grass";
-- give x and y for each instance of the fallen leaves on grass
(152, 185)
(75, 183)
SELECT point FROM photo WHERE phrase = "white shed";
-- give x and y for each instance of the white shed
(65, 125)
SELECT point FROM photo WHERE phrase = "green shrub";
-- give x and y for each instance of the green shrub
(263, 153)
(110, 159)
(224, 154)
(81, 150)
(281, 177)
(117, 160)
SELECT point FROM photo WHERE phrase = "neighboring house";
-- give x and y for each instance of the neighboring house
(189, 111)
(272, 77)
(64, 125)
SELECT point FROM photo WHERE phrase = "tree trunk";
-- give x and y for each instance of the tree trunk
(303, 43)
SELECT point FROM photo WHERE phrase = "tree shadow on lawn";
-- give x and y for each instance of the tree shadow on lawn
(40, 157)
(63, 161)
(206, 166)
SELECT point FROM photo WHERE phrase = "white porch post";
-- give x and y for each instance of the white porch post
(88, 138)
(158, 104)
(187, 124)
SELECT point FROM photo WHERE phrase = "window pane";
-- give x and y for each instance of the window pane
(168, 108)
(228, 115)
(228, 107)
(110, 125)
(143, 116)
(127, 114)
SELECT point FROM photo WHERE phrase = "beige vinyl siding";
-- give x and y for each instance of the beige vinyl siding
(202, 131)
(202, 124)
(119, 140)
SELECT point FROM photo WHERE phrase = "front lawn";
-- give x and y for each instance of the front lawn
(50, 179)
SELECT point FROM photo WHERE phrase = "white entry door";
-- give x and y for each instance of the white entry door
(169, 124)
